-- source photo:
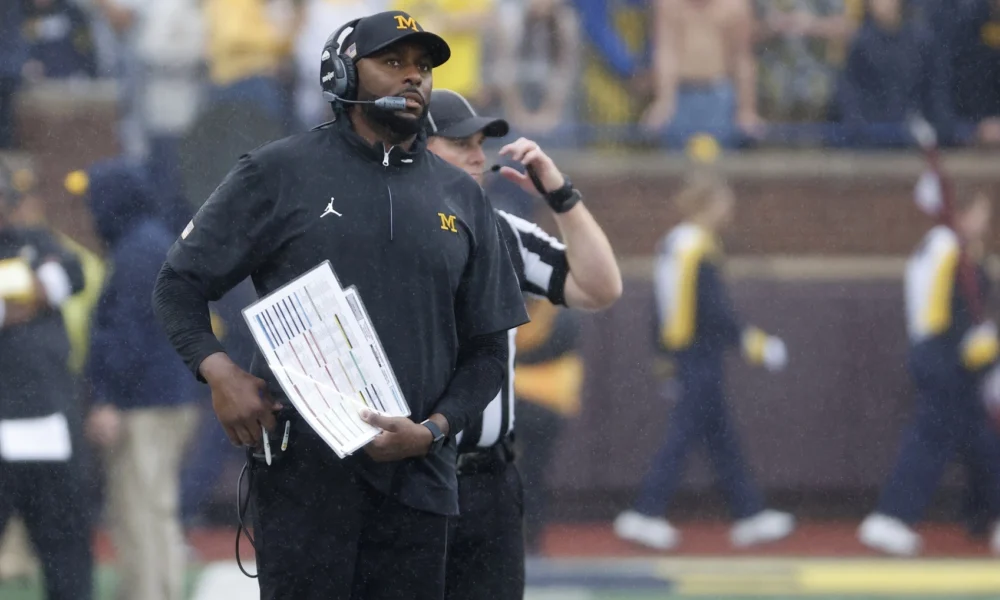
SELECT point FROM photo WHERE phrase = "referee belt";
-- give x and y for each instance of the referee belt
(486, 460)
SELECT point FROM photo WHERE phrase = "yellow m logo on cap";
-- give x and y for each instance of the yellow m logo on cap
(448, 222)
(406, 23)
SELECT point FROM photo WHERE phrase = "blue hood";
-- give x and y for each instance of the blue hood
(120, 198)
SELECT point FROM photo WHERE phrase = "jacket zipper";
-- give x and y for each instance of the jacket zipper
(385, 165)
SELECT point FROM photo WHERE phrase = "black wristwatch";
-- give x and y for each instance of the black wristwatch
(560, 200)
(564, 198)
(437, 438)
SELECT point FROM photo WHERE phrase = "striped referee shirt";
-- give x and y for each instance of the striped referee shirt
(541, 267)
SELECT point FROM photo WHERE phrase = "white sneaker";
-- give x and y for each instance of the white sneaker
(652, 532)
(995, 540)
(889, 535)
(763, 527)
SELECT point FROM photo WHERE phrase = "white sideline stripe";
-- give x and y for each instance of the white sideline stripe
(225, 581)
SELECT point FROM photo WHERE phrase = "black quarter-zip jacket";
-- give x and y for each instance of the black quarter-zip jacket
(416, 236)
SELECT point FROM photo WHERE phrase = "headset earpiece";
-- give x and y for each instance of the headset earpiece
(338, 75)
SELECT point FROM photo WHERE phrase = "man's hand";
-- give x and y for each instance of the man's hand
(400, 438)
(529, 154)
(104, 425)
(240, 400)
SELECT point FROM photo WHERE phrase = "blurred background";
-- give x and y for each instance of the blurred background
(802, 105)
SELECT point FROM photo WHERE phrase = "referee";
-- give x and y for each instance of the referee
(486, 541)
(420, 241)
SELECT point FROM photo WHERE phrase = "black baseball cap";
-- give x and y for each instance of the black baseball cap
(451, 116)
(379, 31)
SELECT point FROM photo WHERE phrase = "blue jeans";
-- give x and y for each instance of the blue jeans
(708, 109)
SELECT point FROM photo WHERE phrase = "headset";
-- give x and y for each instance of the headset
(338, 75)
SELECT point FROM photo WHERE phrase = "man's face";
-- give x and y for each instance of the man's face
(403, 69)
(465, 153)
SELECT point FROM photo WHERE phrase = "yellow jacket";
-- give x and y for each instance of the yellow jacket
(77, 310)
(555, 384)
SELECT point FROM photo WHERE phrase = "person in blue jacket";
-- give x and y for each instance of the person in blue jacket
(145, 409)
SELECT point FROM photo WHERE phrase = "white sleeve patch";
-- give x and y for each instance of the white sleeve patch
(187, 230)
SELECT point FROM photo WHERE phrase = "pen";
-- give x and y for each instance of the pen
(267, 446)
(284, 438)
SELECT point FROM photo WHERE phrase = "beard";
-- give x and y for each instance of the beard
(399, 123)
(394, 121)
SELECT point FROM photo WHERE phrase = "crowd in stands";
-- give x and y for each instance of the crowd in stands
(569, 72)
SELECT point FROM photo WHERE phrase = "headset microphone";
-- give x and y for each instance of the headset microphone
(394, 103)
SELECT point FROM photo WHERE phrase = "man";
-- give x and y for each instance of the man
(17, 558)
(486, 544)
(420, 241)
(949, 354)
(40, 447)
(697, 325)
(704, 72)
(140, 389)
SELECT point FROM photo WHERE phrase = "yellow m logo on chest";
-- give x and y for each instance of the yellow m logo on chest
(448, 222)
(406, 23)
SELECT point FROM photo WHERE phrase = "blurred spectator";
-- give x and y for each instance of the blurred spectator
(705, 72)
(144, 412)
(161, 49)
(13, 54)
(59, 36)
(320, 19)
(893, 70)
(801, 45)
(888, 75)
(161, 62)
(249, 42)
(968, 36)
(462, 23)
(537, 66)
(548, 376)
(17, 557)
(615, 77)
(41, 458)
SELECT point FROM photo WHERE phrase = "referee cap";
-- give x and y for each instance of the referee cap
(451, 116)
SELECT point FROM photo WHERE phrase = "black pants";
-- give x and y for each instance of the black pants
(323, 533)
(537, 431)
(486, 540)
(51, 500)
